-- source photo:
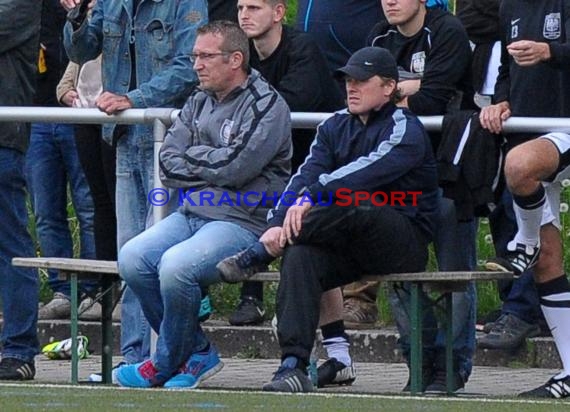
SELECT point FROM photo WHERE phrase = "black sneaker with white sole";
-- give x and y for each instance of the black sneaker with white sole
(557, 387)
(517, 261)
(12, 369)
(334, 372)
(289, 380)
(249, 312)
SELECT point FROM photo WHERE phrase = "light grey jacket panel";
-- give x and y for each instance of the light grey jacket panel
(222, 150)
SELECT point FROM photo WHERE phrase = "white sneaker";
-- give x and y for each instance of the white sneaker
(97, 377)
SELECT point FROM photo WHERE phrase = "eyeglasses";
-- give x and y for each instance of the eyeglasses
(205, 56)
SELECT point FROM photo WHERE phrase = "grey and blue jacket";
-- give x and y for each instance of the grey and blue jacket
(232, 156)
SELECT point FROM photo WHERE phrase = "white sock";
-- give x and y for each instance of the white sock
(556, 309)
(528, 211)
(337, 348)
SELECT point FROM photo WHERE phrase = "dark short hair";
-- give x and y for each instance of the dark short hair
(234, 38)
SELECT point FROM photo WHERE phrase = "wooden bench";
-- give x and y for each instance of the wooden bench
(72, 269)
(442, 282)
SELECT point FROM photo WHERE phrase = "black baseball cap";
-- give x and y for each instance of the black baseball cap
(368, 62)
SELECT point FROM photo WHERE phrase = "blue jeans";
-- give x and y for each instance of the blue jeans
(135, 166)
(165, 266)
(19, 287)
(51, 163)
(455, 249)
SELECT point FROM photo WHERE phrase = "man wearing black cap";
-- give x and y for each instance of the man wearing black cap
(333, 235)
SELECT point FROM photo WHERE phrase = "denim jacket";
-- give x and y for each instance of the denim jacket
(163, 32)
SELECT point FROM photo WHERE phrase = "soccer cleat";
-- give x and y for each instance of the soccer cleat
(245, 264)
(289, 380)
(138, 375)
(333, 372)
(200, 366)
(557, 387)
(249, 312)
(12, 369)
(523, 257)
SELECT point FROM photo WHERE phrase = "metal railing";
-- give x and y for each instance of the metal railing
(162, 118)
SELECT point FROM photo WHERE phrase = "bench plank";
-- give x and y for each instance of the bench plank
(69, 264)
(416, 277)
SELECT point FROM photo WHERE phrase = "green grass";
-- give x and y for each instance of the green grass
(54, 398)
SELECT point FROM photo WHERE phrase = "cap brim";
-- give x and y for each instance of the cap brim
(353, 72)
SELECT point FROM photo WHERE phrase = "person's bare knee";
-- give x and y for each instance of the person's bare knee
(528, 164)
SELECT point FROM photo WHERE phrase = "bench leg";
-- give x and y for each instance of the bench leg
(449, 342)
(74, 317)
(107, 330)
(416, 319)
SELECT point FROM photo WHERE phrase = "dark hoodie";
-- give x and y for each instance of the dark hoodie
(51, 38)
(19, 32)
(440, 51)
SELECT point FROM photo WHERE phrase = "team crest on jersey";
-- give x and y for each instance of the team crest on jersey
(551, 26)
(418, 62)
(226, 131)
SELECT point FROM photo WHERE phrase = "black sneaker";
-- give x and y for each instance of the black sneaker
(249, 312)
(555, 388)
(333, 372)
(523, 257)
(427, 379)
(508, 332)
(439, 384)
(245, 264)
(12, 369)
(289, 380)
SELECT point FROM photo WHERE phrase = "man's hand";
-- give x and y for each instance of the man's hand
(294, 220)
(493, 116)
(528, 53)
(409, 87)
(69, 97)
(70, 4)
(270, 240)
(111, 103)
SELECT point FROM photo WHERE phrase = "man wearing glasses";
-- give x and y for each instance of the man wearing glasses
(232, 137)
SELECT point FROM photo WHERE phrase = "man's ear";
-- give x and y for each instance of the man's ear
(279, 12)
(236, 60)
(391, 86)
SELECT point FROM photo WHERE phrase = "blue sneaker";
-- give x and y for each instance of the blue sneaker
(200, 366)
(138, 375)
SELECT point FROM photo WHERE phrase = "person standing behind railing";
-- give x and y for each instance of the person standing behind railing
(19, 287)
(145, 47)
(51, 165)
(79, 87)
